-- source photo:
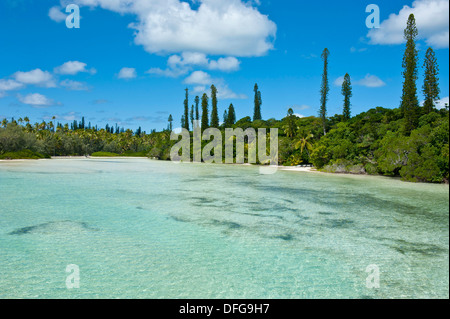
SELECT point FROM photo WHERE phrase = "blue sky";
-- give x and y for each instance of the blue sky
(130, 64)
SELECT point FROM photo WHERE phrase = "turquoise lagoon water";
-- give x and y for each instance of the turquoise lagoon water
(147, 229)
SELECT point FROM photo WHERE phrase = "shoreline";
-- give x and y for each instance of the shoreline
(281, 168)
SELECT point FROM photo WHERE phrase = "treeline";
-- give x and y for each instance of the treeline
(47, 139)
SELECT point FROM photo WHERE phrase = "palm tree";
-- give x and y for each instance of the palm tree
(304, 143)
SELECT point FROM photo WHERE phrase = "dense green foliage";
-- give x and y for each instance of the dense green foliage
(44, 138)
(374, 143)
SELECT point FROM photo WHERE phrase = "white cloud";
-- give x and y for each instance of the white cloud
(202, 82)
(432, 22)
(225, 64)
(127, 73)
(74, 85)
(73, 68)
(35, 77)
(9, 85)
(199, 77)
(170, 73)
(339, 81)
(2, 94)
(371, 81)
(70, 116)
(224, 92)
(217, 27)
(35, 100)
(200, 89)
(181, 65)
(56, 15)
(301, 107)
(353, 50)
(188, 58)
(442, 102)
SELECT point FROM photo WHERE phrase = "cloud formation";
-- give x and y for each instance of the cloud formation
(74, 85)
(127, 73)
(9, 85)
(202, 82)
(35, 77)
(178, 65)
(370, 81)
(56, 15)
(73, 68)
(36, 100)
(444, 101)
(216, 27)
(432, 22)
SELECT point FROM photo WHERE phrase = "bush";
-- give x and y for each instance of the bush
(371, 169)
(24, 154)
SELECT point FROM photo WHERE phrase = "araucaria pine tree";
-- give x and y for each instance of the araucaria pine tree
(324, 90)
(258, 103)
(410, 103)
(205, 117)
(186, 111)
(214, 113)
(183, 120)
(430, 88)
(197, 113)
(347, 93)
(225, 119)
(170, 123)
(231, 115)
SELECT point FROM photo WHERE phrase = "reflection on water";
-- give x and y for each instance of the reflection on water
(146, 229)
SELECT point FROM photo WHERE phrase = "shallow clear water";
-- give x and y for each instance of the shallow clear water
(148, 229)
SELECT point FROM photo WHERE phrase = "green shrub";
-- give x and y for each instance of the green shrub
(24, 154)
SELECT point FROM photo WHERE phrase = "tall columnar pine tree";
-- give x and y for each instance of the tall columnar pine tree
(197, 113)
(186, 111)
(430, 88)
(183, 121)
(225, 119)
(170, 123)
(410, 102)
(290, 127)
(192, 116)
(258, 103)
(231, 115)
(214, 113)
(324, 90)
(205, 117)
(347, 93)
